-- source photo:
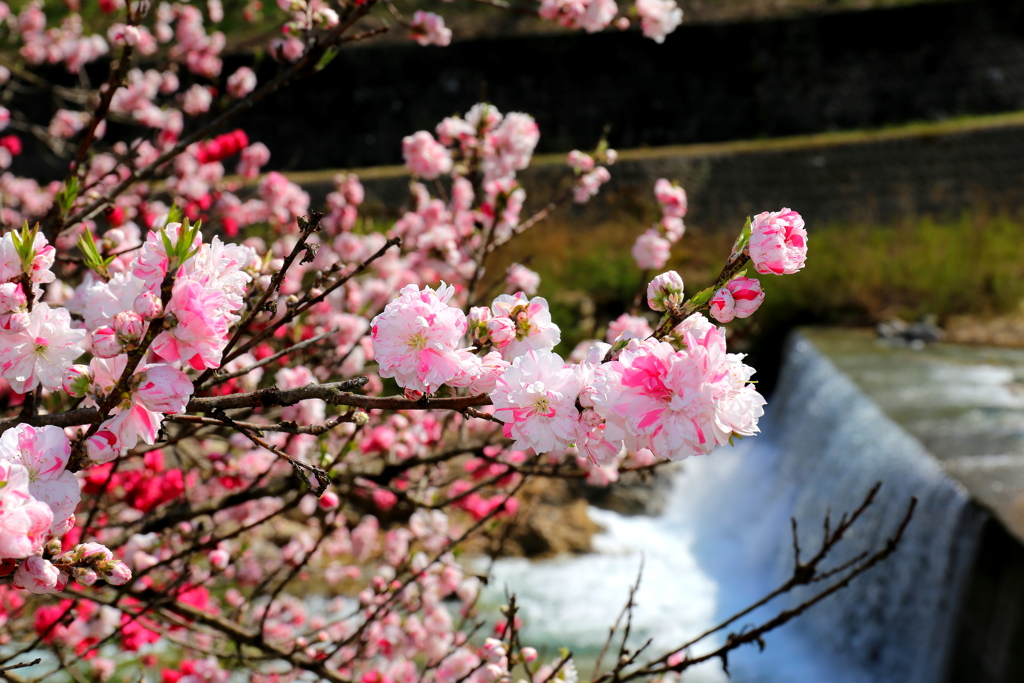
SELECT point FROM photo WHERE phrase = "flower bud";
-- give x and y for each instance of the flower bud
(723, 306)
(105, 343)
(148, 305)
(85, 576)
(219, 558)
(77, 380)
(529, 654)
(129, 327)
(665, 290)
(102, 447)
(502, 331)
(360, 418)
(119, 575)
(747, 295)
(329, 501)
(494, 649)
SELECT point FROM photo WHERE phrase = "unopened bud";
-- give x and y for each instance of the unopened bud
(85, 576)
(105, 343)
(52, 547)
(529, 654)
(219, 558)
(360, 418)
(129, 327)
(148, 305)
(77, 380)
(329, 501)
(119, 574)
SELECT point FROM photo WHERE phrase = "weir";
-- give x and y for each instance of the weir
(944, 424)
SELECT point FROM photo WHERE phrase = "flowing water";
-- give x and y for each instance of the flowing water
(725, 540)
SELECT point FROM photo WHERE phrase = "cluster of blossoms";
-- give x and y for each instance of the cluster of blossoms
(677, 396)
(652, 248)
(209, 425)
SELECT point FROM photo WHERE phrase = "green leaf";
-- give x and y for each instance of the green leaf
(743, 239)
(174, 214)
(326, 58)
(68, 194)
(701, 297)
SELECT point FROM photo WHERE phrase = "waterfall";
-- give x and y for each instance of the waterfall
(724, 541)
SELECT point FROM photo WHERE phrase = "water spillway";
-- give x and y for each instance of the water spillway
(944, 424)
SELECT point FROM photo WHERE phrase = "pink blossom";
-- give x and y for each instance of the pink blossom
(677, 403)
(163, 388)
(536, 397)
(44, 453)
(24, 521)
(778, 242)
(424, 156)
(39, 354)
(580, 162)
(510, 146)
(533, 326)
(664, 291)
(200, 327)
(589, 184)
(242, 82)
(658, 18)
(196, 100)
(521, 278)
(428, 28)
(651, 251)
(253, 158)
(671, 198)
(416, 336)
(628, 327)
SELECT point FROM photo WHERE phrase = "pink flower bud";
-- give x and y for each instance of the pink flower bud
(102, 447)
(329, 501)
(219, 558)
(502, 331)
(85, 576)
(747, 295)
(77, 380)
(105, 343)
(129, 326)
(723, 306)
(494, 649)
(119, 574)
(148, 306)
(92, 552)
(529, 654)
(665, 289)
